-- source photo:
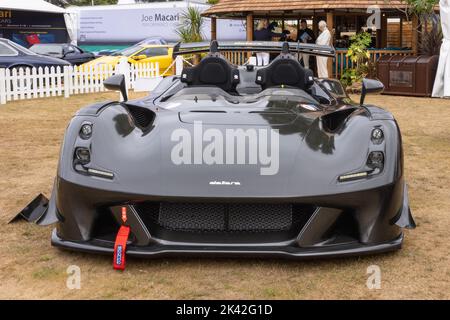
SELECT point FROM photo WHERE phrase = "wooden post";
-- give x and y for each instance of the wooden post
(382, 33)
(249, 27)
(415, 34)
(379, 35)
(315, 26)
(213, 28)
(401, 33)
(330, 25)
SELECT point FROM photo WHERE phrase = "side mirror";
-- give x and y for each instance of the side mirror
(117, 83)
(139, 57)
(370, 86)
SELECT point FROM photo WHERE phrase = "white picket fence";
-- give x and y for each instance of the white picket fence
(30, 83)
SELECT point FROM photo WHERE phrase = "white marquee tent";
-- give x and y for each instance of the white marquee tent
(30, 5)
(442, 83)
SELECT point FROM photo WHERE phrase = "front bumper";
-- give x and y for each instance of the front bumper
(288, 252)
(357, 223)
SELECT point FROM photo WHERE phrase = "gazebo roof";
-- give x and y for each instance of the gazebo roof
(241, 7)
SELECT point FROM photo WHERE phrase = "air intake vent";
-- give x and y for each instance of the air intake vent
(333, 121)
(142, 117)
(224, 217)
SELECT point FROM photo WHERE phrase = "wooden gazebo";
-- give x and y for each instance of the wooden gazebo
(343, 17)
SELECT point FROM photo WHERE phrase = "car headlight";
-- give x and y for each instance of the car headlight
(83, 155)
(375, 160)
(86, 131)
(377, 136)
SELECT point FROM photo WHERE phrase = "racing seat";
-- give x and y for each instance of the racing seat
(213, 70)
(285, 70)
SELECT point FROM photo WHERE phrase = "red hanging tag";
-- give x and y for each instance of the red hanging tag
(120, 247)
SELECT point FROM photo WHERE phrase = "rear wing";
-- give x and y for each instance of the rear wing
(255, 46)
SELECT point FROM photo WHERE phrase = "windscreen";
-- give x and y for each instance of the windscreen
(20, 48)
(127, 51)
(47, 49)
(215, 99)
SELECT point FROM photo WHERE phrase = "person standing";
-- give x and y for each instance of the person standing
(264, 32)
(324, 39)
(305, 35)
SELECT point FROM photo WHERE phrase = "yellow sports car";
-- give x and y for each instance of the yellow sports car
(139, 54)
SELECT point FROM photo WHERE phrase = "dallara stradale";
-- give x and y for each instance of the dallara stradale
(233, 161)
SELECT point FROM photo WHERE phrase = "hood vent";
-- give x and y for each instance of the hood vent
(333, 121)
(143, 117)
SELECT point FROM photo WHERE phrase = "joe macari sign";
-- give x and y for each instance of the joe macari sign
(5, 16)
(134, 24)
(160, 17)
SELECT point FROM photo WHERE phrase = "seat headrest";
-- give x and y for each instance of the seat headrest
(285, 70)
(213, 70)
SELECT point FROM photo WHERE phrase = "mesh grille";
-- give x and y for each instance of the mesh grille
(191, 216)
(224, 217)
(244, 217)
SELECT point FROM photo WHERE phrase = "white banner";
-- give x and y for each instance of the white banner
(136, 24)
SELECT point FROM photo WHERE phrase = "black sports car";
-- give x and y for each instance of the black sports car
(68, 52)
(13, 56)
(235, 161)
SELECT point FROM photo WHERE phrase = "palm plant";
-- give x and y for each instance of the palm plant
(190, 26)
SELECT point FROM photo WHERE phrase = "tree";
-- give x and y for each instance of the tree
(430, 39)
(420, 7)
